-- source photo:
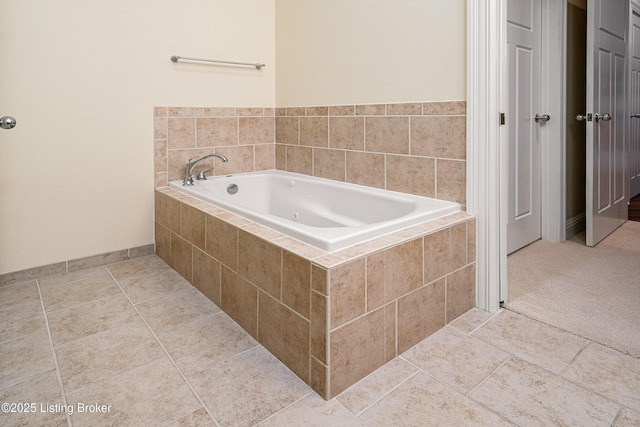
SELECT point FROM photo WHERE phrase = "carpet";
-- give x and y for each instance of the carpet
(590, 292)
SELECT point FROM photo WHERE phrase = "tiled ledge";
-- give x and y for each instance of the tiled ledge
(75, 264)
(318, 256)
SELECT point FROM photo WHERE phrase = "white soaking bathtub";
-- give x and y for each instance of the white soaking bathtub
(327, 214)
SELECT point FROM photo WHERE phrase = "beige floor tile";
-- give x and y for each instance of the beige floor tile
(18, 294)
(199, 418)
(469, 321)
(376, 385)
(149, 286)
(99, 356)
(528, 395)
(248, 388)
(628, 418)
(608, 372)
(72, 277)
(137, 267)
(313, 411)
(68, 294)
(175, 309)
(531, 340)
(201, 344)
(456, 359)
(25, 358)
(44, 392)
(150, 395)
(90, 318)
(422, 401)
(20, 320)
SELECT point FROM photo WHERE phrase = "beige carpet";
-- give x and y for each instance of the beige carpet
(591, 292)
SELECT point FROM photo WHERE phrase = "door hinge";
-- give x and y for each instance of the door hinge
(502, 119)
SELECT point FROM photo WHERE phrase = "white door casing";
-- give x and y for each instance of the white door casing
(524, 46)
(607, 180)
(634, 101)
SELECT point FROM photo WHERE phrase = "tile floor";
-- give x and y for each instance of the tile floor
(134, 344)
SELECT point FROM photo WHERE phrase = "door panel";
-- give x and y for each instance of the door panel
(524, 57)
(634, 108)
(606, 179)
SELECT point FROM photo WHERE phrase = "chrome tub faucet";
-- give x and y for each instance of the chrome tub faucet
(188, 178)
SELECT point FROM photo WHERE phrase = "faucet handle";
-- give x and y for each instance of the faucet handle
(202, 174)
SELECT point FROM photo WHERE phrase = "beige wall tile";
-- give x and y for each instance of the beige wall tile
(347, 292)
(314, 131)
(458, 245)
(437, 255)
(375, 280)
(452, 181)
(471, 240)
(285, 334)
(181, 258)
(329, 164)
(265, 157)
(371, 110)
(295, 111)
(342, 110)
(260, 262)
(317, 111)
(461, 292)
(240, 160)
(206, 275)
(169, 212)
(160, 155)
(387, 134)
(181, 133)
(250, 111)
(178, 160)
(222, 241)
(257, 130)
(319, 280)
(296, 283)
(159, 111)
(357, 349)
(281, 157)
(405, 109)
(439, 136)
(420, 314)
(216, 132)
(239, 299)
(318, 328)
(441, 108)
(300, 159)
(218, 112)
(288, 130)
(192, 225)
(413, 175)
(319, 378)
(346, 133)
(365, 169)
(185, 111)
(391, 330)
(163, 242)
(403, 269)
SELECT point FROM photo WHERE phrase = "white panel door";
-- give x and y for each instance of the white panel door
(634, 106)
(607, 180)
(524, 57)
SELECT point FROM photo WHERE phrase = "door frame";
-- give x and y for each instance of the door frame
(487, 141)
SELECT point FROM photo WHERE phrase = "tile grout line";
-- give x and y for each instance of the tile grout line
(389, 392)
(283, 409)
(55, 355)
(155, 336)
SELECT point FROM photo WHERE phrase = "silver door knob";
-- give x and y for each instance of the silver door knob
(7, 122)
(584, 117)
(635, 115)
(542, 118)
(605, 117)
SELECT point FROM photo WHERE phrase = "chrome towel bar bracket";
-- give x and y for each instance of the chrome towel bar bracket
(175, 58)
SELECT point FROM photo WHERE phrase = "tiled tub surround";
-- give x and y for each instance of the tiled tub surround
(331, 318)
(417, 148)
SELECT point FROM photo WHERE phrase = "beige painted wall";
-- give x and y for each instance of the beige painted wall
(81, 78)
(333, 52)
